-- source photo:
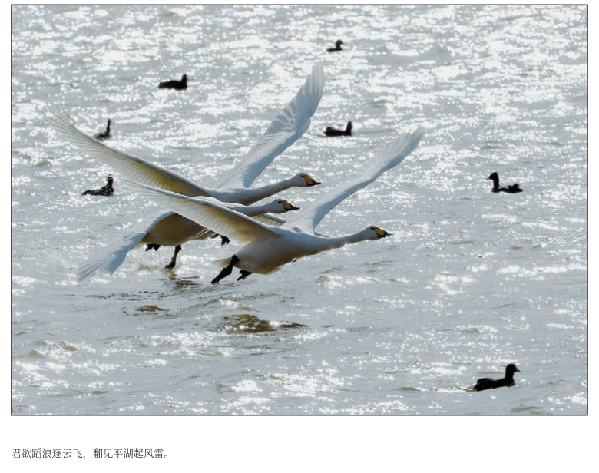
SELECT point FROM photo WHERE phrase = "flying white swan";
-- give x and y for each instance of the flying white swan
(268, 248)
(286, 128)
(169, 229)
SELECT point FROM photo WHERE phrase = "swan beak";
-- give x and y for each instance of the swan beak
(310, 182)
(517, 370)
(287, 206)
(382, 233)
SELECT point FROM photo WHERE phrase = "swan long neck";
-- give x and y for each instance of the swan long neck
(338, 242)
(254, 210)
(258, 193)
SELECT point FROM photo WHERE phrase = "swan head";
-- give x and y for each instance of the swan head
(338, 43)
(510, 370)
(304, 180)
(376, 233)
(280, 206)
(110, 180)
(494, 176)
(184, 78)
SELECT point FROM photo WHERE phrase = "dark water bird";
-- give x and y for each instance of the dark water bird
(106, 191)
(513, 189)
(487, 383)
(337, 47)
(331, 131)
(105, 134)
(174, 84)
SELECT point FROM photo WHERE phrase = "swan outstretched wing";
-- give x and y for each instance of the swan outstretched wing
(385, 159)
(134, 168)
(110, 257)
(209, 214)
(286, 128)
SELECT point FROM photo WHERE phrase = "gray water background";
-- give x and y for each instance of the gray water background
(470, 282)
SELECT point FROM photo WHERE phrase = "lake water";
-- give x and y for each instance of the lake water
(470, 281)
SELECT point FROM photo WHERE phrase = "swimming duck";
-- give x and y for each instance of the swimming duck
(487, 383)
(104, 134)
(337, 47)
(513, 189)
(268, 248)
(106, 190)
(330, 131)
(170, 229)
(174, 84)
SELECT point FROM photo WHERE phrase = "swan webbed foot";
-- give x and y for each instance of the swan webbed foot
(226, 270)
(173, 262)
(152, 246)
(244, 274)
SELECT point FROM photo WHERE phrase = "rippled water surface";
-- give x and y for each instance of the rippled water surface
(470, 281)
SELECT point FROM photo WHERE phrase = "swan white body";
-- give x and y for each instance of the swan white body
(169, 229)
(268, 248)
(286, 128)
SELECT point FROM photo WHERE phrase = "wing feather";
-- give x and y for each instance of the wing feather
(271, 220)
(210, 215)
(134, 168)
(285, 130)
(114, 253)
(385, 159)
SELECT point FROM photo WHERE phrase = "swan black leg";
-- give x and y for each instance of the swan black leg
(223, 239)
(244, 274)
(173, 262)
(227, 270)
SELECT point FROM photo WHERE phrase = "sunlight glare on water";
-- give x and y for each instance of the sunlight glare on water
(470, 281)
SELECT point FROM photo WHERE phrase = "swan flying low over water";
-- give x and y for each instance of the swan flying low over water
(169, 229)
(268, 248)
